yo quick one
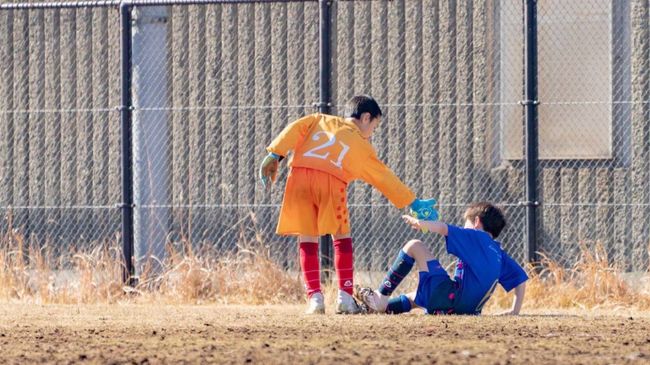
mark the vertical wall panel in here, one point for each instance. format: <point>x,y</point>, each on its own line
<point>479,121</point>
<point>568,213</point>
<point>68,130</point>
<point>279,65</point>
<point>180,117</point>
<point>412,120</point>
<point>263,97</point>
<point>430,97</point>
<point>100,100</point>
<point>21,118</point>
<point>379,90</point>
<point>213,125</point>
<point>6,105</point>
<point>464,111</point>
<point>640,178</point>
<point>196,122</point>
<point>36,132</point>
<point>229,120</point>
<point>53,121</point>
<point>447,133</point>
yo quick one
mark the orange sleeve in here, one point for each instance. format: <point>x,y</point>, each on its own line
<point>377,174</point>
<point>291,134</point>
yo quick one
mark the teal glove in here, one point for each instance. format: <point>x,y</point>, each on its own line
<point>269,169</point>
<point>423,210</point>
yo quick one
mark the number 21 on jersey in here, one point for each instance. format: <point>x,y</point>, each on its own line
<point>322,151</point>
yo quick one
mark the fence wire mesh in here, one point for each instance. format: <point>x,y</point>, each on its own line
<point>593,129</point>
<point>213,84</point>
<point>59,130</point>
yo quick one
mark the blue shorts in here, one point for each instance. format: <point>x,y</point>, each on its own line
<point>436,291</point>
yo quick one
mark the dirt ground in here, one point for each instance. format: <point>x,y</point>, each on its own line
<point>141,334</point>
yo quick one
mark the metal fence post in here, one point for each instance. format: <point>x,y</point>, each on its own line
<point>127,145</point>
<point>530,104</point>
<point>149,90</point>
<point>324,105</point>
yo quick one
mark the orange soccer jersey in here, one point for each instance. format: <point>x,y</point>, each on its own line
<point>314,203</point>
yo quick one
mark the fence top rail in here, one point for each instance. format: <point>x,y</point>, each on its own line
<point>116,3</point>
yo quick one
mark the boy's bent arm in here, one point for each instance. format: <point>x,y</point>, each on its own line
<point>291,134</point>
<point>518,301</point>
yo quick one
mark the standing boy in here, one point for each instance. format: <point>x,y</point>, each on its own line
<point>328,153</point>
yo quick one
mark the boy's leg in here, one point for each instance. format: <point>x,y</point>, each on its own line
<point>414,252</point>
<point>310,267</point>
<point>420,253</point>
<point>344,262</point>
<point>310,263</point>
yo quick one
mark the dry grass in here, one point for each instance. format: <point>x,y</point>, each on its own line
<point>29,273</point>
<point>592,283</point>
<point>35,274</point>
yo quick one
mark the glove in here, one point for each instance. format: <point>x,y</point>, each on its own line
<point>423,209</point>
<point>269,169</point>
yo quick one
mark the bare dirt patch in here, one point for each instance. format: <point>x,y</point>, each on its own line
<point>141,334</point>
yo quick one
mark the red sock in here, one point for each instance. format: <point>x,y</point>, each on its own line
<point>343,262</point>
<point>310,265</point>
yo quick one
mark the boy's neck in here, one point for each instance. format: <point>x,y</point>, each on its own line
<point>352,120</point>
<point>482,230</point>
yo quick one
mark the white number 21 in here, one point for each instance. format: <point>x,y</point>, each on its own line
<point>330,140</point>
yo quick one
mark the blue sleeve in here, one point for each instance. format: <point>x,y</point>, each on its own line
<point>460,241</point>
<point>511,273</point>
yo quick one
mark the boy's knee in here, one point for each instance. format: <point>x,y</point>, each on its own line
<point>412,245</point>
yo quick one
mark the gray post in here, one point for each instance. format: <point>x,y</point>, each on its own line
<point>127,143</point>
<point>531,128</point>
<point>150,133</point>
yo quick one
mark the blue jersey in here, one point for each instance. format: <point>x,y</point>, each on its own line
<point>481,265</point>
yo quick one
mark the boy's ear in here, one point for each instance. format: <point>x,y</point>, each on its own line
<point>365,117</point>
<point>477,223</point>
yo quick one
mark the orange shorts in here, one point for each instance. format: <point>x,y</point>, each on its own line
<point>314,204</point>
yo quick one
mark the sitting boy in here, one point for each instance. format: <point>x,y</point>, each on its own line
<point>481,265</point>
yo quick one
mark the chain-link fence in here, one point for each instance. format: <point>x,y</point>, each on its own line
<point>59,131</point>
<point>214,83</point>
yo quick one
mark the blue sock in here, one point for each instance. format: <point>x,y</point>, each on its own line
<point>396,273</point>
<point>398,305</point>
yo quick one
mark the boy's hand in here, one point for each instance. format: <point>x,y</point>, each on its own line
<point>507,313</point>
<point>423,209</point>
<point>269,169</point>
<point>412,221</point>
<point>426,226</point>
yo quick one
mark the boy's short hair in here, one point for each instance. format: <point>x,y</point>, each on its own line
<point>491,217</point>
<point>360,104</point>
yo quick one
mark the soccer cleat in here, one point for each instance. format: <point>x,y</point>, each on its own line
<point>316,304</point>
<point>372,299</point>
<point>346,304</point>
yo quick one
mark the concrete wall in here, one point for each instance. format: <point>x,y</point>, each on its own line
<point>237,74</point>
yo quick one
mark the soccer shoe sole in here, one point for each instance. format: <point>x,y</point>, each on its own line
<point>315,310</point>
<point>361,296</point>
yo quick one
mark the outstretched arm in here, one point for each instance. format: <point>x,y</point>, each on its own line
<point>431,226</point>
<point>377,174</point>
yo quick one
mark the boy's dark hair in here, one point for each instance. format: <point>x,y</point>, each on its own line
<point>360,104</point>
<point>490,216</point>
